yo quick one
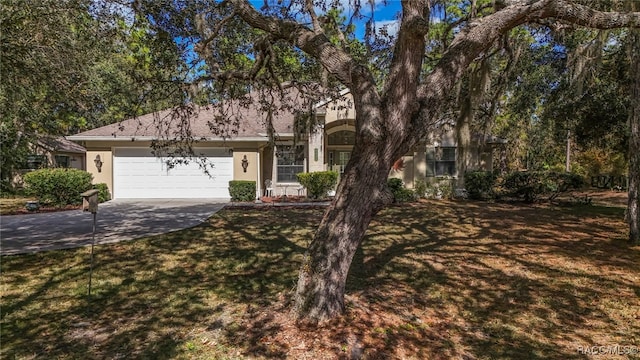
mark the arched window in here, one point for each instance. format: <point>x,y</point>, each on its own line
<point>342,137</point>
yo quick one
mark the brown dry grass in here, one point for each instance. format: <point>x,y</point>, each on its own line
<point>9,206</point>
<point>433,280</point>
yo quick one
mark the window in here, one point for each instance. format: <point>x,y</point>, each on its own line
<point>290,162</point>
<point>62,161</point>
<point>35,162</point>
<point>342,137</point>
<point>441,161</point>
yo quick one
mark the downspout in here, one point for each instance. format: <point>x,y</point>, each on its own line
<point>258,174</point>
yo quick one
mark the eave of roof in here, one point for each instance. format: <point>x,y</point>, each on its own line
<point>152,138</point>
<point>326,101</point>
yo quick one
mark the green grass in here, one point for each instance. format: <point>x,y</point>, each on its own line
<point>11,205</point>
<point>433,280</point>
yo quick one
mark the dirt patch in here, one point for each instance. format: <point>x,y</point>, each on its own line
<point>42,209</point>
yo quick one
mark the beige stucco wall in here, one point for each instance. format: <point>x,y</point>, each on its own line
<point>316,147</point>
<point>76,161</point>
<point>339,109</point>
<point>406,174</point>
<point>252,168</point>
<point>266,163</point>
<point>420,163</point>
<point>106,174</point>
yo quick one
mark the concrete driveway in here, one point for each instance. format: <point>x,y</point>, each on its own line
<point>116,220</point>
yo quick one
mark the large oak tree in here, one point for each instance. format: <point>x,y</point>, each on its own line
<point>399,91</point>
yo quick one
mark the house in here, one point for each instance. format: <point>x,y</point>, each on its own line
<point>50,151</point>
<point>236,142</point>
<point>56,151</point>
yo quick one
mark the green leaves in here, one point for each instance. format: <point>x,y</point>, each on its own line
<point>319,183</point>
<point>242,190</point>
<point>58,187</point>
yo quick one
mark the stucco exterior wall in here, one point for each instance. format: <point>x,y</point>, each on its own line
<point>106,173</point>
<point>251,156</point>
<point>316,150</point>
<point>340,109</point>
<point>420,163</point>
<point>76,161</point>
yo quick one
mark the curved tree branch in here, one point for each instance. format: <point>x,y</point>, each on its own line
<point>316,44</point>
<point>481,33</point>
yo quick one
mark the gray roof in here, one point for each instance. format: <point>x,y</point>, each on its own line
<point>60,144</point>
<point>244,119</point>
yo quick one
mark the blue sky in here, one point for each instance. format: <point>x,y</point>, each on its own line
<point>384,14</point>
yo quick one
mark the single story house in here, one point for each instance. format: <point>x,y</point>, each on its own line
<point>237,144</point>
<point>50,152</point>
<point>57,151</point>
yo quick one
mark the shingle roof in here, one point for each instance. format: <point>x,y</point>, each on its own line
<point>237,119</point>
<point>60,144</point>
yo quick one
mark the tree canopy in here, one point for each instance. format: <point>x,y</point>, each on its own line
<point>70,65</point>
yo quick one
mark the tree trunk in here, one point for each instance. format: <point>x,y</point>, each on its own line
<point>361,194</point>
<point>633,210</point>
<point>463,138</point>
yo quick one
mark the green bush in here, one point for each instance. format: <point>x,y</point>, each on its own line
<point>400,193</point>
<point>57,187</point>
<point>242,190</point>
<point>563,182</point>
<point>444,189</point>
<point>318,183</point>
<point>421,188</point>
<point>531,185</point>
<point>479,184</point>
<point>103,192</point>
<point>524,184</point>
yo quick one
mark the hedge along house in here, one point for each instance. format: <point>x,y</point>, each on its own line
<point>246,140</point>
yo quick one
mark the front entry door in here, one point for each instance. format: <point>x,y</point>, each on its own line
<point>338,160</point>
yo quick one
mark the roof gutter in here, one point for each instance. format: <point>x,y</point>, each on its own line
<point>151,138</point>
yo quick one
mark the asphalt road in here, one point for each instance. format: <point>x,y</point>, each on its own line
<point>116,220</point>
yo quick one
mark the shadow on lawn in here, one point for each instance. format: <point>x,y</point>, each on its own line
<point>437,280</point>
<point>150,296</point>
<point>500,282</point>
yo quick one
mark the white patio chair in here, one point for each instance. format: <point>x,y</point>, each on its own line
<point>268,187</point>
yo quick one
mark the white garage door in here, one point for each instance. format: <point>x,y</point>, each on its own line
<point>137,174</point>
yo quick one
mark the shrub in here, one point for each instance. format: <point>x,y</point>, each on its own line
<point>479,184</point>
<point>444,189</point>
<point>530,185</point>
<point>524,184</point>
<point>400,193</point>
<point>242,190</point>
<point>395,184</point>
<point>420,189</point>
<point>103,192</point>
<point>563,182</point>
<point>57,187</point>
<point>318,183</point>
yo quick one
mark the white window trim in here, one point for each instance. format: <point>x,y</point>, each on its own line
<point>274,171</point>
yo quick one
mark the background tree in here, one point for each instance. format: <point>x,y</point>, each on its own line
<point>70,65</point>
<point>633,210</point>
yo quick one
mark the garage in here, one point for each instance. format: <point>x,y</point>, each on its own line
<point>138,174</point>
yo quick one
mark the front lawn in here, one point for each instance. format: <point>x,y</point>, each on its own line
<point>434,280</point>
<point>13,205</point>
